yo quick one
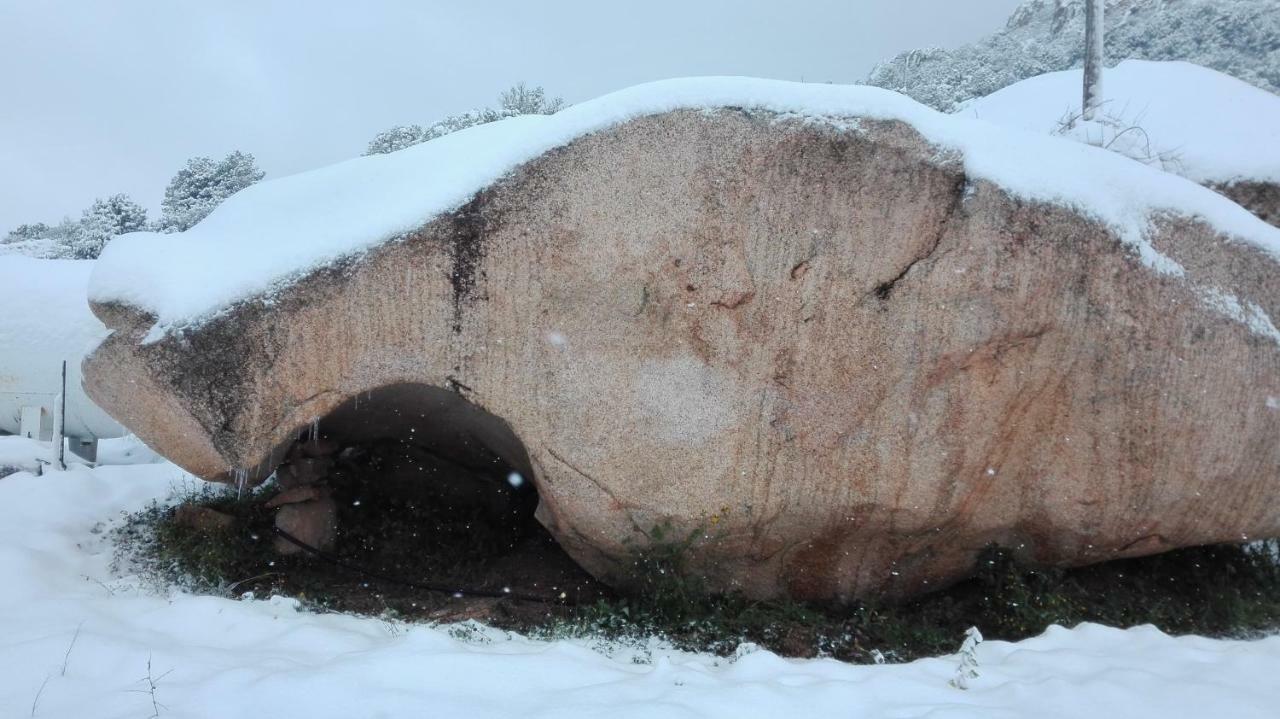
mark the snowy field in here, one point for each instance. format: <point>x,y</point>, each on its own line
<point>1179,117</point>
<point>76,641</point>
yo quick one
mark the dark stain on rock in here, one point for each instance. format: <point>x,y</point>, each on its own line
<point>214,387</point>
<point>469,226</point>
<point>454,385</point>
<point>810,571</point>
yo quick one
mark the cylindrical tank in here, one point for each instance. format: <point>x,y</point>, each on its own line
<point>45,319</point>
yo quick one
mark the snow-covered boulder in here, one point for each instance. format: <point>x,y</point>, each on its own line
<point>837,341</point>
<point>1182,118</point>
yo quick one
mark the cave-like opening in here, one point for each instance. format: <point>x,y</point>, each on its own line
<point>419,483</point>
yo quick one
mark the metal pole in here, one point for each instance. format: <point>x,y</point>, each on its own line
<point>60,428</point>
<point>1093,57</point>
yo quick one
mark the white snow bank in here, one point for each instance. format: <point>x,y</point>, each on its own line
<point>30,455</point>
<point>23,454</point>
<point>269,234</point>
<point>45,319</point>
<point>75,641</point>
<point>1187,119</point>
<point>38,248</point>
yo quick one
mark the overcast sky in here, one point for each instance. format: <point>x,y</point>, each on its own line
<point>113,96</point>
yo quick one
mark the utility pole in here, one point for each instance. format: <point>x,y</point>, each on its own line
<point>1093,56</point>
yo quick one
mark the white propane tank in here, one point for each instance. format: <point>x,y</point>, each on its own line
<point>45,319</point>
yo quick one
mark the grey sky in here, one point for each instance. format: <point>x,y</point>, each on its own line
<point>105,97</point>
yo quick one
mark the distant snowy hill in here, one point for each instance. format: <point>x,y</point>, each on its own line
<point>1183,118</point>
<point>1238,37</point>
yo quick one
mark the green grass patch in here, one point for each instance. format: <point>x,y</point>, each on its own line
<point>1217,591</point>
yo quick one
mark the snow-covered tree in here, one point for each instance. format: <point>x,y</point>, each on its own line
<point>202,185</point>
<point>23,233</point>
<point>32,240</point>
<point>1237,37</point>
<point>396,138</point>
<point>80,239</point>
<point>103,220</point>
<point>522,100</point>
<point>117,214</point>
<point>516,100</point>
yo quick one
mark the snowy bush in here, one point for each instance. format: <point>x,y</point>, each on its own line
<point>202,185</point>
<point>191,195</point>
<point>522,100</point>
<point>1113,130</point>
<point>79,240</point>
<point>32,231</point>
<point>1238,37</point>
<point>967,668</point>
<point>104,219</point>
<point>40,248</point>
<point>31,240</point>
<point>396,138</point>
<point>516,100</point>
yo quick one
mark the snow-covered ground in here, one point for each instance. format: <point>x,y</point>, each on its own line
<point>1180,117</point>
<point>30,455</point>
<point>77,641</point>
<point>23,454</point>
<point>41,249</point>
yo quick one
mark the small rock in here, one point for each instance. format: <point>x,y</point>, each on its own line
<point>202,519</point>
<point>301,472</point>
<point>314,523</point>
<point>798,642</point>
<point>296,495</point>
<point>469,609</point>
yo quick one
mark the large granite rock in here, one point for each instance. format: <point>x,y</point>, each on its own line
<point>838,362</point>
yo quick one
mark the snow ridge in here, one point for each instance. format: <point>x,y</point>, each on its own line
<point>271,234</point>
